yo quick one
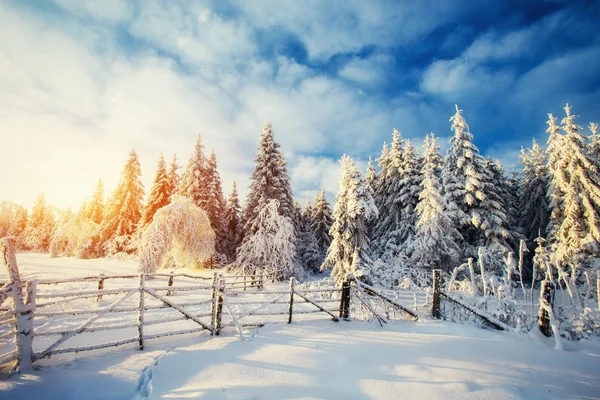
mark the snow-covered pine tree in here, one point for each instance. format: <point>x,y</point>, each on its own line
<point>233,224</point>
<point>594,142</point>
<point>271,249</point>
<point>308,250</point>
<point>96,208</point>
<point>123,211</point>
<point>495,221</point>
<point>385,230</point>
<point>350,250</point>
<point>38,232</point>
<point>577,180</point>
<point>159,193</point>
<point>18,223</point>
<point>174,178</point>
<point>372,175</point>
<point>61,233</point>
<point>269,181</point>
<point>321,223</point>
<point>534,212</point>
<point>435,243</point>
<point>462,176</point>
<point>193,182</point>
<point>556,175</point>
<point>215,204</point>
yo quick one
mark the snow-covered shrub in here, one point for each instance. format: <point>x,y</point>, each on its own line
<point>271,249</point>
<point>181,229</point>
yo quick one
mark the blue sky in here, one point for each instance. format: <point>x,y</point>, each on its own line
<point>82,82</point>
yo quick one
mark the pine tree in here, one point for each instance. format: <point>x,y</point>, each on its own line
<point>594,142</point>
<point>38,232</point>
<point>386,229</point>
<point>372,175</point>
<point>321,223</point>
<point>215,203</point>
<point>18,222</point>
<point>159,195</point>
<point>95,209</point>
<point>233,224</point>
<point>174,178</point>
<point>534,212</point>
<point>495,223</point>
<point>350,251</point>
<point>269,181</point>
<point>307,247</point>
<point>435,243</point>
<point>193,182</point>
<point>576,179</point>
<point>124,210</point>
<point>463,187</point>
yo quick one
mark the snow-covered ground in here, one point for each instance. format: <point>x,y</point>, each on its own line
<point>316,359</point>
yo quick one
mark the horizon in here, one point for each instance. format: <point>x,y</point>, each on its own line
<point>82,83</point>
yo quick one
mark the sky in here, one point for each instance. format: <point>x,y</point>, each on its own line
<point>84,82</point>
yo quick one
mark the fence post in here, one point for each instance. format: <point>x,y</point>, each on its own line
<point>261,281</point>
<point>213,305</point>
<point>547,296</point>
<point>598,289</point>
<point>219,308</point>
<point>170,284</point>
<point>435,304</point>
<point>244,283</point>
<point>345,300</point>
<point>100,286</point>
<point>141,314</point>
<point>291,309</point>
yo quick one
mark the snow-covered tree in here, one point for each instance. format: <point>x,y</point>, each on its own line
<point>95,209</point>
<point>269,181</point>
<point>215,203</point>
<point>193,182</point>
<point>594,142</point>
<point>575,181</point>
<point>233,224</point>
<point>18,223</point>
<point>434,245</point>
<point>372,175</point>
<point>271,249</point>
<point>173,175</point>
<point>38,233</point>
<point>306,244</point>
<point>60,236</point>
<point>350,250</point>
<point>159,193</point>
<point>534,212</point>
<point>463,187</point>
<point>179,232</point>
<point>494,222</point>
<point>385,232</point>
<point>124,210</point>
<point>321,223</point>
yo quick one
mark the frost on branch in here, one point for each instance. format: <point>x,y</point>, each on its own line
<point>271,249</point>
<point>181,229</point>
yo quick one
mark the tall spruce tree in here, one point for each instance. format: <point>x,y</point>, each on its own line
<point>495,221</point>
<point>534,212</point>
<point>173,175</point>
<point>193,182</point>
<point>307,247</point>
<point>576,180</point>
<point>124,210</point>
<point>435,243</point>
<point>40,225</point>
<point>269,181</point>
<point>321,223</point>
<point>233,224</point>
<point>463,186</point>
<point>159,193</point>
<point>372,175</point>
<point>215,202</point>
<point>95,209</point>
<point>350,250</point>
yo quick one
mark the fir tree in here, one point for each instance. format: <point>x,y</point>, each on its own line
<point>18,222</point>
<point>435,243</point>
<point>174,178</point>
<point>38,232</point>
<point>159,195</point>
<point>534,212</point>
<point>594,142</point>
<point>575,178</point>
<point>95,209</point>
<point>269,181</point>
<point>321,223</point>
<point>124,210</point>
<point>215,203</point>
<point>233,224</point>
<point>350,251</point>
<point>307,247</point>
<point>372,175</point>
<point>193,182</point>
<point>463,187</point>
<point>494,225</point>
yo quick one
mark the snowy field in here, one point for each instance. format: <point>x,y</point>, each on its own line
<point>316,359</point>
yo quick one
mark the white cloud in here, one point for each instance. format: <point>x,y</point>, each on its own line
<point>109,10</point>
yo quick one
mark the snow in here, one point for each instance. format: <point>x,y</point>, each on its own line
<point>311,359</point>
